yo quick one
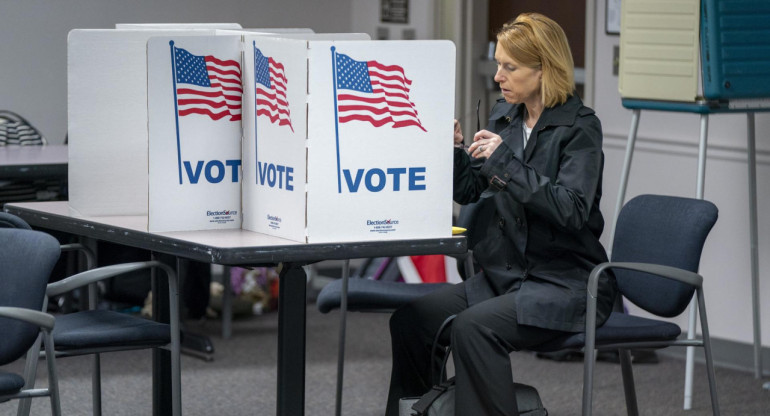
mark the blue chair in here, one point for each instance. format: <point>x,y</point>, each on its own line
<point>11,221</point>
<point>378,293</point>
<point>371,293</point>
<point>26,261</point>
<point>655,256</point>
<point>366,294</point>
<point>96,331</point>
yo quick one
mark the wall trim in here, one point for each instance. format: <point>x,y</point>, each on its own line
<point>680,147</point>
<point>728,354</point>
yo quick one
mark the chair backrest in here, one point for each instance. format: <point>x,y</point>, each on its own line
<point>26,260</point>
<point>14,129</point>
<point>11,221</point>
<point>663,230</point>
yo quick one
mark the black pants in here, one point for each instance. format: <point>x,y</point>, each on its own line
<point>196,289</point>
<point>482,338</point>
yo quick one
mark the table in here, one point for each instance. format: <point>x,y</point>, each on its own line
<point>33,161</point>
<point>704,109</point>
<point>234,248</point>
<point>30,173</point>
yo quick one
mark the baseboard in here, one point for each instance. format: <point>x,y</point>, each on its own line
<point>727,354</point>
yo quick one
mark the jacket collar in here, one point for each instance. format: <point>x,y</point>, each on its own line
<point>561,115</point>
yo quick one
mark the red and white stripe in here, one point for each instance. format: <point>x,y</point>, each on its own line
<point>387,103</point>
<point>222,99</point>
<point>272,102</point>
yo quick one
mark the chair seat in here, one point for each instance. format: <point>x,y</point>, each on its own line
<point>10,383</point>
<point>620,327</point>
<point>102,329</point>
<point>372,295</point>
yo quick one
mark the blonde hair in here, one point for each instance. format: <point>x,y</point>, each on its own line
<point>538,42</point>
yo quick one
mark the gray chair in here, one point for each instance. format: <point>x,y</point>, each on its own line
<point>655,256</point>
<point>26,261</point>
<point>96,331</point>
<point>368,293</point>
<point>376,292</point>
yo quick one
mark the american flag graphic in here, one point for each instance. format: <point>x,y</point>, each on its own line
<point>208,86</point>
<point>372,92</point>
<point>271,84</point>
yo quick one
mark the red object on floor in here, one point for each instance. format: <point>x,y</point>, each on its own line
<point>431,268</point>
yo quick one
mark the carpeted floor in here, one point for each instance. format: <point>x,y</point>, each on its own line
<point>241,379</point>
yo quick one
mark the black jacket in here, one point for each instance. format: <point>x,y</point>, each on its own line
<point>539,214</point>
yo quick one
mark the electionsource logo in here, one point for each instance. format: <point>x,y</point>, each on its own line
<point>382,222</point>
<point>382,226</point>
<point>225,212</point>
<point>274,221</point>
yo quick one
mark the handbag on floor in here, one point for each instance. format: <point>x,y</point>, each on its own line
<point>440,400</point>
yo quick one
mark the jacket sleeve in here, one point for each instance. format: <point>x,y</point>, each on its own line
<point>566,198</point>
<point>468,181</point>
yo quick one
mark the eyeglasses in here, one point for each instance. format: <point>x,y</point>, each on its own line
<point>478,124</point>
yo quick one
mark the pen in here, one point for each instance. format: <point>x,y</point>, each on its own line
<point>478,119</point>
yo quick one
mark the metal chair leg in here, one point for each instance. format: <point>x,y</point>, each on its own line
<point>707,351</point>
<point>589,358</point>
<point>341,347</point>
<point>96,385</point>
<point>628,381</point>
<point>53,378</point>
<point>30,373</point>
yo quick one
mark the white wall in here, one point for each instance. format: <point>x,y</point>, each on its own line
<point>665,162</point>
<point>33,50</point>
<point>366,19</point>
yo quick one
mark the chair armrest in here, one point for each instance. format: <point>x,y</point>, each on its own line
<point>91,276</point>
<point>38,318</point>
<point>674,273</point>
<point>669,272</point>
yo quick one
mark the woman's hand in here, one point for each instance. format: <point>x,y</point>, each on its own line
<point>484,143</point>
<point>458,135</point>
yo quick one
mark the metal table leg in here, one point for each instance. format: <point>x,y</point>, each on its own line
<point>292,291</point>
<point>753,236</point>
<point>693,321</point>
<point>635,115</point>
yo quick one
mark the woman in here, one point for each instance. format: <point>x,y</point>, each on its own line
<point>537,172</point>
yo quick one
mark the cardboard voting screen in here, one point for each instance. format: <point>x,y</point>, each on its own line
<point>194,92</point>
<point>275,132</point>
<point>143,26</point>
<point>380,128</point>
<point>355,142</point>
<point>274,136</point>
<point>107,119</point>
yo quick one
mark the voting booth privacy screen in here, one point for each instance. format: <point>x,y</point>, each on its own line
<point>357,148</point>
<point>690,50</point>
<point>309,137</point>
<point>194,113</point>
<point>107,118</point>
